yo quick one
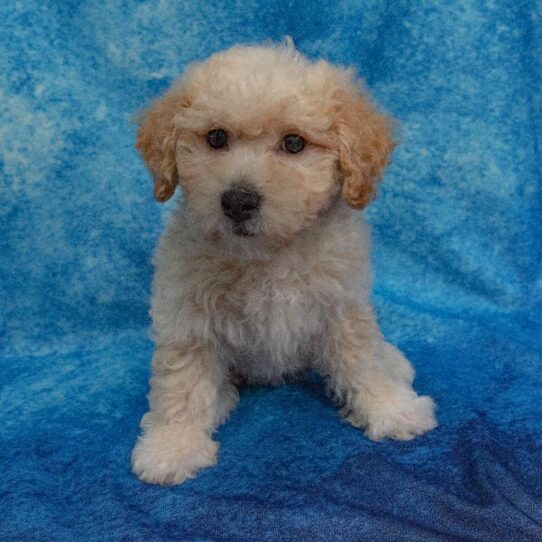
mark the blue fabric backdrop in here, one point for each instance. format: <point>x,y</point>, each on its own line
<point>458,251</point>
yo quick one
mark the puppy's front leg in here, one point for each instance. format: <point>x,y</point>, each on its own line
<point>189,397</point>
<point>373,379</point>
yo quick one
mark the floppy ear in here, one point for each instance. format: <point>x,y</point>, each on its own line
<point>365,145</point>
<point>156,141</point>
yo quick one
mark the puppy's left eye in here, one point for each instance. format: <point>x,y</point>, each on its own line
<point>293,143</point>
<point>217,139</point>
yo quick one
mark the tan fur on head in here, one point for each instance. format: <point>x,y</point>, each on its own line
<point>157,139</point>
<point>365,144</point>
<point>362,137</point>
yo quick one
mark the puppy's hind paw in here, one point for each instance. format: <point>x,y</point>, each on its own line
<point>401,417</point>
<point>170,454</point>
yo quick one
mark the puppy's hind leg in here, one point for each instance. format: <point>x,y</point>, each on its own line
<point>373,379</point>
<point>189,398</point>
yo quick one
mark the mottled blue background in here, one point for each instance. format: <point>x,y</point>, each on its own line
<point>458,251</point>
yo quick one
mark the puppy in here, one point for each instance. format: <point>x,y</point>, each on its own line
<point>263,270</point>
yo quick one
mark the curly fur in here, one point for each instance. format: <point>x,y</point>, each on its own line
<point>292,295</point>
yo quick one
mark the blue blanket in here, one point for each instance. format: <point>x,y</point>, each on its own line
<point>457,255</point>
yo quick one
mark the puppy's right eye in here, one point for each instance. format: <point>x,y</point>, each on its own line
<point>217,139</point>
<point>293,143</point>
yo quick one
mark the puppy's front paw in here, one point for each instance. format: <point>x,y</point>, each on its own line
<point>401,416</point>
<point>170,454</point>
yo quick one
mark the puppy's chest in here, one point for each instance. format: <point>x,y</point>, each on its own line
<point>261,308</point>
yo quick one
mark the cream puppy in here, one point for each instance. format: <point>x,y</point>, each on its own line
<point>263,270</point>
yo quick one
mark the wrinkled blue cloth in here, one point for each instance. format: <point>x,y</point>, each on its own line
<point>458,286</point>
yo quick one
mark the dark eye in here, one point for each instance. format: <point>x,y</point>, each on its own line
<point>293,143</point>
<point>217,139</point>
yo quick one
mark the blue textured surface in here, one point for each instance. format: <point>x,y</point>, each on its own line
<point>458,252</point>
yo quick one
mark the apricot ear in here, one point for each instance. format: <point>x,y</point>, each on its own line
<point>156,141</point>
<point>365,145</point>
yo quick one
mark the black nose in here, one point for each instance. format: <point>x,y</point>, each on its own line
<point>240,202</point>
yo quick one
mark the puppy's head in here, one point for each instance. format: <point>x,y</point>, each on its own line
<point>263,142</point>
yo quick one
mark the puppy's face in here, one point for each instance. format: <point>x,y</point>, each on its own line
<point>263,143</point>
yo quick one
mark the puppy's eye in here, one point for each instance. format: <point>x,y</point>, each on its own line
<point>217,139</point>
<point>293,143</point>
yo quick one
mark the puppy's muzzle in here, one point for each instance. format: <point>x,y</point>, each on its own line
<point>240,203</point>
